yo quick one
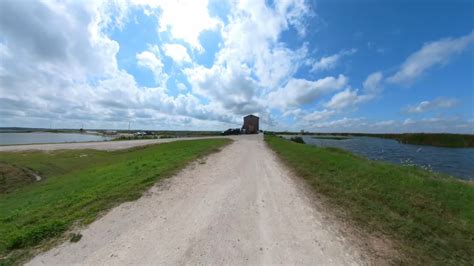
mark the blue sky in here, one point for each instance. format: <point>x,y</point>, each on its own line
<point>346,66</point>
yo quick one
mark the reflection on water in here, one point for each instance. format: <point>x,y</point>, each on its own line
<point>46,137</point>
<point>458,162</point>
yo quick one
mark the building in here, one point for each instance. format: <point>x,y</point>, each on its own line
<point>250,124</point>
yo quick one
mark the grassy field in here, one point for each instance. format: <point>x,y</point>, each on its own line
<point>429,217</point>
<point>76,186</point>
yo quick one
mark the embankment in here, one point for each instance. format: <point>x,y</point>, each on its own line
<point>429,217</point>
<point>77,186</point>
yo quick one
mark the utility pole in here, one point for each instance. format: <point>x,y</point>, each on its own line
<point>128,126</point>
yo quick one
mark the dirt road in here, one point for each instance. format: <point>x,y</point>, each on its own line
<point>239,206</point>
<point>96,145</point>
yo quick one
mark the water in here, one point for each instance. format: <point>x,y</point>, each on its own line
<point>46,137</point>
<point>458,162</point>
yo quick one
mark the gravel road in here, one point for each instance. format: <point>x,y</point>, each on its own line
<point>238,206</point>
<point>96,145</point>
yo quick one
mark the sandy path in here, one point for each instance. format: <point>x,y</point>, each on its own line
<point>96,145</point>
<point>239,207</point>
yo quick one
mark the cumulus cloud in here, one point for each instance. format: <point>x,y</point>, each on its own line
<point>151,61</point>
<point>364,125</point>
<point>437,103</point>
<point>318,116</point>
<point>231,87</point>
<point>252,61</point>
<point>177,52</point>
<point>330,62</point>
<point>65,45</point>
<point>252,34</point>
<point>430,55</point>
<point>347,98</point>
<point>184,20</point>
<point>52,60</point>
<point>301,91</point>
<point>58,64</point>
<point>59,67</point>
<point>373,83</point>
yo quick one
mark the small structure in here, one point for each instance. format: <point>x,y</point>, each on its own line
<point>250,124</point>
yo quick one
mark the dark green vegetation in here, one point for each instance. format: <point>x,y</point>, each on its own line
<point>297,139</point>
<point>440,140</point>
<point>332,137</point>
<point>429,217</point>
<point>76,186</point>
<point>431,139</point>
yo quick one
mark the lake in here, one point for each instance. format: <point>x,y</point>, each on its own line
<point>47,137</point>
<point>458,162</point>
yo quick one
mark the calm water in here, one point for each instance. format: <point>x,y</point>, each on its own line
<point>45,137</point>
<point>458,162</point>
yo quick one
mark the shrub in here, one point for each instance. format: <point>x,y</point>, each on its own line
<point>297,140</point>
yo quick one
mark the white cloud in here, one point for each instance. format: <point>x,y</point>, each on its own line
<point>430,55</point>
<point>341,124</point>
<point>57,63</point>
<point>177,52</point>
<point>231,87</point>
<point>346,98</point>
<point>252,37</point>
<point>181,87</point>
<point>385,123</point>
<point>330,62</point>
<point>150,60</point>
<point>363,125</point>
<point>68,45</point>
<point>184,19</point>
<point>437,103</point>
<point>69,73</point>
<point>318,116</point>
<point>301,91</point>
<point>252,61</point>
<point>372,84</point>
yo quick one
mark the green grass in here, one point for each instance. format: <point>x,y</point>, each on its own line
<point>77,186</point>
<point>429,217</point>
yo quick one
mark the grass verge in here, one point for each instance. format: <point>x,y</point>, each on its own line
<point>429,217</point>
<point>77,185</point>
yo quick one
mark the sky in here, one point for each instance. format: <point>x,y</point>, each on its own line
<point>323,66</point>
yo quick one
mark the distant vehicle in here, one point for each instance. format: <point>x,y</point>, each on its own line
<point>231,131</point>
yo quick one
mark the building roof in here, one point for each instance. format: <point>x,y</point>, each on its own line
<point>250,116</point>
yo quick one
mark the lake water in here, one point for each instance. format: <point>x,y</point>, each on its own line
<point>46,137</point>
<point>458,162</point>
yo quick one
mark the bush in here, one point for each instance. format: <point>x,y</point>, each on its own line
<point>297,140</point>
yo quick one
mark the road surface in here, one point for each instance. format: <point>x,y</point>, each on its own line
<point>237,206</point>
<point>96,145</point>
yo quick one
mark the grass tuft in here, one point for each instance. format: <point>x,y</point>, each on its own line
<point>75,237</point>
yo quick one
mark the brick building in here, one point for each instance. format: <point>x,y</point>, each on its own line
<point>250,124</point>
